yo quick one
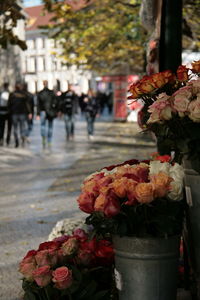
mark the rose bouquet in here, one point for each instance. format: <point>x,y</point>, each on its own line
<point>69,267</point>
<point>172,110</point>
<point>135,199</point>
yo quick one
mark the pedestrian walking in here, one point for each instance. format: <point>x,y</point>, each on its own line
<point>19,107</point>
<point>29,120</point>
<point>5,118</point>
<point>47,109</point>
<point>92,109</point>
<point>68,106</point>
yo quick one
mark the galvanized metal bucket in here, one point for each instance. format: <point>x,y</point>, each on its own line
<point>146,268</point>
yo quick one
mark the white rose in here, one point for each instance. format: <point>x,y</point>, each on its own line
<point>156,167</point>
<point>176,192</point>
<point>177,173</point>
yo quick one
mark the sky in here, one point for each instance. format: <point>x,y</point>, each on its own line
<point>31,2</point>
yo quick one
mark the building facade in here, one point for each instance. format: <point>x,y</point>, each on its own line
<point>41,59</point>
<point>11,58</point>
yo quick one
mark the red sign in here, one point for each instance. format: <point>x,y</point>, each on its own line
<point>120,98</point>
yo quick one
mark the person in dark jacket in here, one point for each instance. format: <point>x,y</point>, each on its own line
<point>31,103</point>
<point>91,110</point>
<point>19,107</point>
<point>68,106</point>
<point>4,115</point>
<point>47,108</point>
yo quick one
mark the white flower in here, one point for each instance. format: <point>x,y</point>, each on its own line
<point>156,167</point>
<point>177,173</point>
<point>176,192</point>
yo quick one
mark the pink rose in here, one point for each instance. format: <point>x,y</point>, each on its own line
<point>27,270</point>
<point>112,205</point>
<point>70,246</point>
<point>42,276</point>
<point>80,234</point>
<point>194,109</point>
<point>62,277</point>
<point>181,104</point>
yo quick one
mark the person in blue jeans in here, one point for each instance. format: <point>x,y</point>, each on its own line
<point>47,108</point>
<point>91,111</point>
<point>19,108</point>
<point>68,106</point>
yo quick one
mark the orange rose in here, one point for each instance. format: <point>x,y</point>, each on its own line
<point>169,76</point>
<point>161,183</point>
<point>91,187</point>
<point>196,66</point>
<point>158,79</point>
<point>182,73</point>
<point>144,192</point>
<point>86,202</point>
<point>146,86</point>
<point>99,202</point>
<point>119,187</point>
<point>134,90</point>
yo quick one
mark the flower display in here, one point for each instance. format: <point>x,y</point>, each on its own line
<point>171,111</point>
<point>69,267</point>
<point>135,198</point>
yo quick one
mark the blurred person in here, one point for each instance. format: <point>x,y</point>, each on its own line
<point>68,106</point>
<point>81,102</point>
<point>47,109</point>
<point>31,102</point>
<point>102,100</point>
<point>5,118</point>
<point>110,102</point>
<point>92,109</point>
<point>19,107</point>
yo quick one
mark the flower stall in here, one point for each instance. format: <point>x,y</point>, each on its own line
<point>171,111</point>
<point>141,205</point>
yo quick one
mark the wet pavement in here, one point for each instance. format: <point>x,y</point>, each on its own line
<point>39,187</point>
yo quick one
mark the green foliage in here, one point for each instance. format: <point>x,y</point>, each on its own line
<point>10,13</point>
<point>191,28</point>
<point>160,218</point>
<point>103,35</point>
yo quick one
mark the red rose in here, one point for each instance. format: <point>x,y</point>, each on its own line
<point>89,245</point>
<point>48,245</point>
<point>30,254</point>
<point>163,158</point>
<point>84,257</point>
<point>61,239</point>
<point>42,276</point>
<point>182,73</point>
<point>62,277</point>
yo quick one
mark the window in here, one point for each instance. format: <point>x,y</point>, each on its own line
<point>31,64</point>
<point>40,63</point>
<point>31,44</point>
<point>40,43</point>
